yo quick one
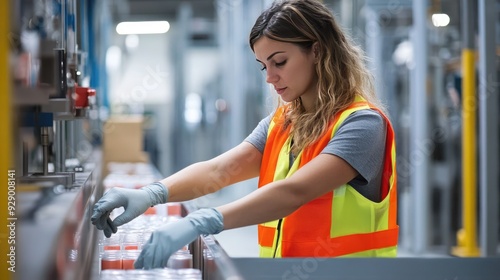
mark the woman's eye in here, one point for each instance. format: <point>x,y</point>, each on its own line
<point>281,63</point>
<point>278,64</point>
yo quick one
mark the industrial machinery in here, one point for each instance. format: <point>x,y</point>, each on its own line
<point>58,170</point>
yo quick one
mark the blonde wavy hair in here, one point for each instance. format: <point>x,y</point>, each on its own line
<point>340,69</point>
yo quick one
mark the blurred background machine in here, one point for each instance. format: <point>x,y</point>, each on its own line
<point>84,87</point>
<point>56,165</point>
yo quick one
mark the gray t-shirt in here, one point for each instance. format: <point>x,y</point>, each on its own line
<point>360,140</point>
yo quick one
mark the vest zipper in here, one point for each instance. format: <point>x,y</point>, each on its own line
<point>278,229</point>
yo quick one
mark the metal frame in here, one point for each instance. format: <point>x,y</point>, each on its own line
<point>488,129</point>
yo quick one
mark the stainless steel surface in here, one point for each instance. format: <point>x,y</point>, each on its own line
<point>61,79</point>
<point>45,147</point>
<point>58,178</point>
<point>56,105</point>
<point>217,265</point>
<point>488,130</point>
<point>369,269</point>
<point>31,96</point>
<point>57,242</point>
<point>60,146</point>
<point>70,153</point>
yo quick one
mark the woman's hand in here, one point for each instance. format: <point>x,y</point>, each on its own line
<point>173,236</point>
<point>134,201</point>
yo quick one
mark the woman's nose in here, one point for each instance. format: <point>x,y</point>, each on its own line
<point>271,77</point>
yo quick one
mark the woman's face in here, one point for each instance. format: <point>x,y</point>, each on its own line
<point>290,69</point>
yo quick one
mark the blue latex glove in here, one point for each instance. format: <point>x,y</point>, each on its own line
<point>135,202</point>
<point>171,237</point>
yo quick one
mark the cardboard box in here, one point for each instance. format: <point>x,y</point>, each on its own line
<point>123,139</point>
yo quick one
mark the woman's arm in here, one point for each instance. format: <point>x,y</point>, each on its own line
<point>279,199</point>
<point>238,164</point>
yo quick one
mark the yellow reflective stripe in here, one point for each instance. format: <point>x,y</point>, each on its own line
<point>268,252</point>
<point>359,98</point>
<point>265,252</point>
<point>272,224</point>
<point>283,164</point>
<point>283,169</point>
<point>295,165</point>
<point>281,172</point>
<point>271,126</point>
<point>356,213</point>
<point>344,116</point>
<point>278,250</point>
<point>393,163</point>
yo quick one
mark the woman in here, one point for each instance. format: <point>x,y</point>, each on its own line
<point>325,158</point>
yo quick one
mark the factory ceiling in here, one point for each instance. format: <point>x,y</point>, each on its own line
<point>131,10</point>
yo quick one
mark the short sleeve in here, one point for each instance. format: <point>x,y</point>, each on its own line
<point>258,136</point>
<point>360,141</point>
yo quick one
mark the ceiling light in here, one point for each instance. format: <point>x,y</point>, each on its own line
<point>131,42</point>
<point>439,20</point>
<point>142,27</point>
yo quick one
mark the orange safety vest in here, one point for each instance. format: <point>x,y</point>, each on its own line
<point>339,223</point>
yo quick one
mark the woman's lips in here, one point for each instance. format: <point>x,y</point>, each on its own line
<point>280,90</point>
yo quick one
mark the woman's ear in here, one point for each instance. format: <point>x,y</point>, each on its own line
<point>315,49</point>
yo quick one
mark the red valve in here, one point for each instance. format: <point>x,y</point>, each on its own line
<point>82,96</point>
